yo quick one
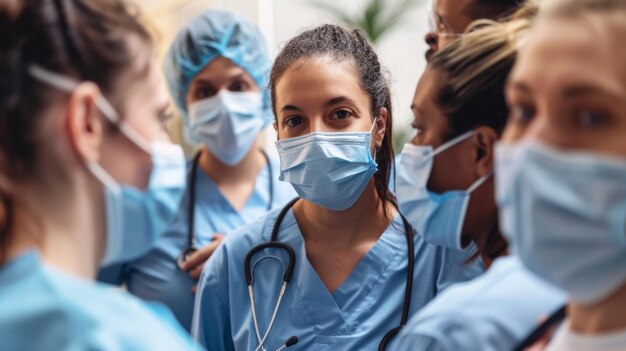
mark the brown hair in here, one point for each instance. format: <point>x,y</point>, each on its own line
<point>475,69</point>
<point>341,44</point>
<point>84,39</point>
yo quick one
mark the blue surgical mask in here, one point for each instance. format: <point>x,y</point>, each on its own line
<point>328,169</point>
<point>438,218</point>
<point>227,124</point>
<point>147,213</point>
<point>565,215</point>
<point>123,204</point>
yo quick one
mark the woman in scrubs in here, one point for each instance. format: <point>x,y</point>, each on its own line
<point>463,89</point>
<point>350,281</point>
<point>217,70</point>
<point>81,103</point>
<point>561,168</point>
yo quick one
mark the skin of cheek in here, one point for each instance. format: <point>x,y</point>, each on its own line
<point>127,162</point>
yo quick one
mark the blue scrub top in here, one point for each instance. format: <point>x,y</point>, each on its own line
<point>494,312</point>
<point>156,276</point>
<point>45,309</point>
<point>354,317</point>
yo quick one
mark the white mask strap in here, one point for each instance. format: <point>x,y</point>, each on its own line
<point>104,177</point>
<point>68,84</point>
<point>451,143</point>
<point>373,124</point>
<point>479,182</point>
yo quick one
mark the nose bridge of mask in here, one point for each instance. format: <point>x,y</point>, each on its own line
<point>241,101</point>
<point>68,84</point>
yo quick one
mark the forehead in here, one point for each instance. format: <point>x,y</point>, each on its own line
<point>558,50</point>
<point>220,67</point>
<point>451,6</point>
<point>317,77</point>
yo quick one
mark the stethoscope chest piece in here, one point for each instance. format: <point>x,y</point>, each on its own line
<point>185,255</point>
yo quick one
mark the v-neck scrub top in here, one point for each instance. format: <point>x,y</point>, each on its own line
<point>156,276</point>
<point>354,317</point>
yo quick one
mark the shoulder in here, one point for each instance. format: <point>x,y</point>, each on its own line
<point>490,312</point>
<point>108,318</point>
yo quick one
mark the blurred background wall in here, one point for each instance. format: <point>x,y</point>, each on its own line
<point>401,49</point>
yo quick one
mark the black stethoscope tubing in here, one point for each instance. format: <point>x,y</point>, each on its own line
<point>274,243</point>
<point>191,215</point>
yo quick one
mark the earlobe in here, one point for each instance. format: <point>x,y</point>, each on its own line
<point>83,123</point>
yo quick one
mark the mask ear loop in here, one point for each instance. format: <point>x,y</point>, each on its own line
<point>371,130</point>
<point>68,84</point>
<point>451,143</point>
<point>479,182</point>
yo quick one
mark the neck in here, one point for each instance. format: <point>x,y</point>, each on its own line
<point>364,221</point>
<point>603,317</point>
<point>60,224</point>
<point>481,224</point>
<point>248,168</point>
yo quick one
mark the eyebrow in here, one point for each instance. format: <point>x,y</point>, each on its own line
<point>292,108</point>
<point>583,89</point>
<point>338,100</point>
<point>519,86</point>
<point>204,81</point>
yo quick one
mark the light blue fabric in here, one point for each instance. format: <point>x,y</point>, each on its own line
<point>564,213</point>
<point>156,276</point>
<point>228,124</point>
<point>217,33</point>
<point>329,169</point>
<point>491,313</point>
<point>354,317</point>
<point>44,309</point>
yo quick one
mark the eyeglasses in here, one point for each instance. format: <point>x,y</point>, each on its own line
<point>438,25</point>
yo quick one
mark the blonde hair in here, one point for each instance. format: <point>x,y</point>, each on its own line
<point>569,8</point>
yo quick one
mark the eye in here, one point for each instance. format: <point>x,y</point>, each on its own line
<point>293,121</point>
<point>204,92</point>
<point>521,113</point>
<point>342,114</point>
<point>239,86</point>
<point>165,116</point>
<point>591,119</point>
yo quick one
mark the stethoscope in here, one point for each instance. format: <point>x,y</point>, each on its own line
<point>288,271</point>
<point>191,235</point>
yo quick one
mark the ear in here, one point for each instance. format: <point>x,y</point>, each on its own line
<point>84,123</point>
<point>381,127</point>
<point>484,140</point>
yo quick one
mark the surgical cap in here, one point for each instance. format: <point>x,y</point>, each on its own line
<point>217,33</point>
